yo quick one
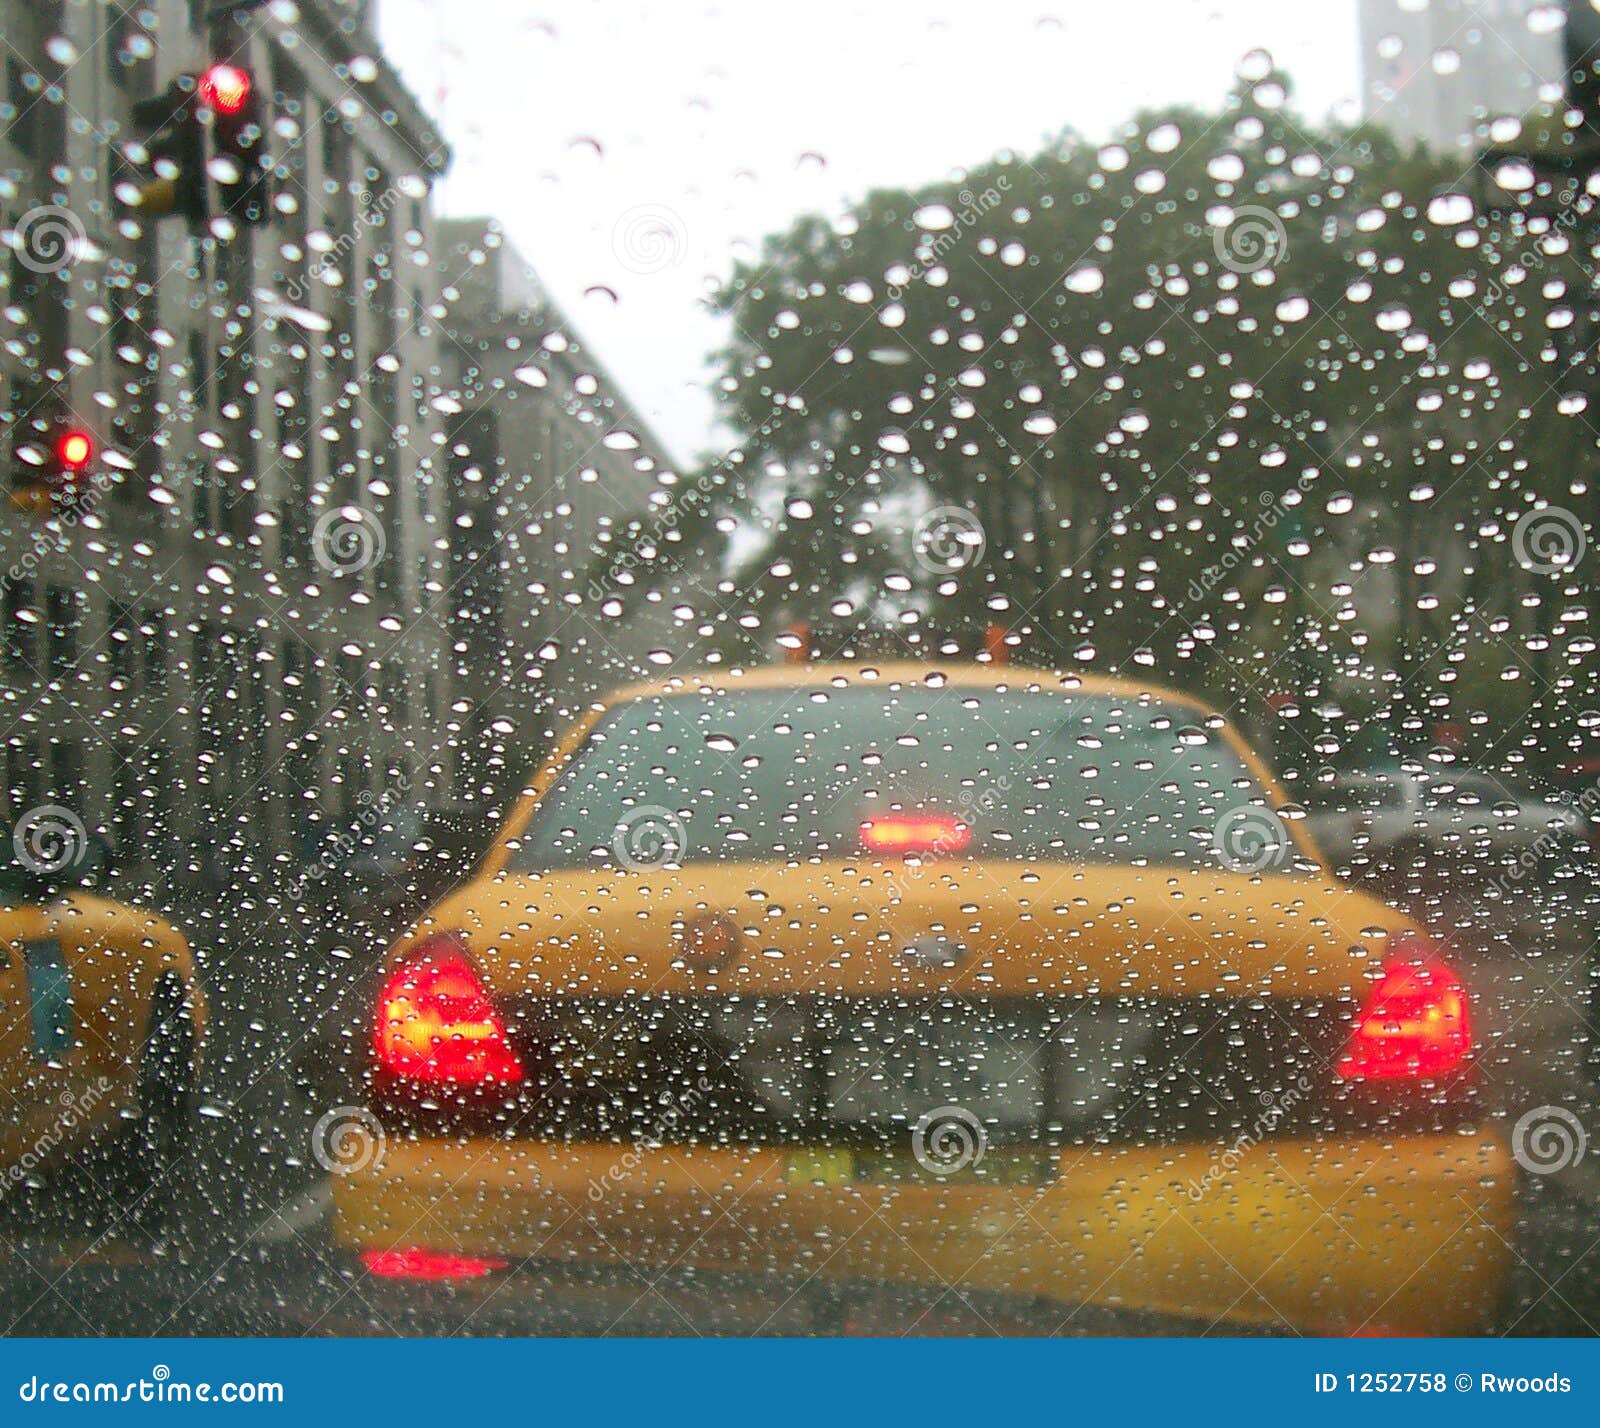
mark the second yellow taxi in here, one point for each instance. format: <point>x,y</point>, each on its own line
<point>101,1020</point>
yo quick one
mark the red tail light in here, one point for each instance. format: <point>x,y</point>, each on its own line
<point>915,833</point>
<point>436,1022</point>
<point>1414,1024</point>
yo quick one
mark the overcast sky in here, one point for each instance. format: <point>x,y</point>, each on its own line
<point>639,148</point>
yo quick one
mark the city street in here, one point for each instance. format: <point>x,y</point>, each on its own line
<point>876,672</point>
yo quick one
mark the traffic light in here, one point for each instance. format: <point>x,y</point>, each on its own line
<point>228,93</point>
<point>176,146</point>
<point>50,474</point>
<point>224,89</point>
<point>204,128</point>
<point>74,451</point>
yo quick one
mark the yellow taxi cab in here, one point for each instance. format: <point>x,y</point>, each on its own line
<point>101,1018</point>
<point>983,979</point>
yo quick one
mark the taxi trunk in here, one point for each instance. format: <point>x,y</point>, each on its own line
<point>1130,1087</point>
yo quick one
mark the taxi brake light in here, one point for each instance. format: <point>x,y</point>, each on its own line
<point>915,833</point>
<point>1414,1024</point>
<point>436,1022</point>
<point>427,1264</point>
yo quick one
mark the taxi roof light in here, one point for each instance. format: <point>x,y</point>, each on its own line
<point>1414,1025</point>
<point>915,833</point>
<point>436,1022</point>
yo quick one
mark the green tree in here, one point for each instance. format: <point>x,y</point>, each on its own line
<point>1243,402</point>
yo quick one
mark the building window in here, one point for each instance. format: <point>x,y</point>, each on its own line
<point>125,821</point>
<point>120,636</point>
<point>154,631</point>
<point>19,633</point>
<point>120,61</point>
<point>66,772</point>
<point>204,667</point>
<point>156,793</point>
<point>62,615</point>
<point>200,384</point>
<point>22,109</point>
<point>22,775</point>
<point>333,136</point>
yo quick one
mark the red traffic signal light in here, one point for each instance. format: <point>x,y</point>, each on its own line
<point>51,474</point>
<point>74,449</point>
<point>244,189</point>
<point>225,89</point>
<point>215,114</point>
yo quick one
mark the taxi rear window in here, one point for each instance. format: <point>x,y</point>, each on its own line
<point>793,773</point>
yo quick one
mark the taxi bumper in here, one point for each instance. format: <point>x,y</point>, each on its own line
<point>1407,1235</point>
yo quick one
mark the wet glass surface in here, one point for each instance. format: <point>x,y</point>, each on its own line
<point>799,671</point>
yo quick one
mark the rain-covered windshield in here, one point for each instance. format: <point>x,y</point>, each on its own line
<point>721,669</point>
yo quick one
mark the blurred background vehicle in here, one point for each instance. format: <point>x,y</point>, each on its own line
<point>1392,817</point>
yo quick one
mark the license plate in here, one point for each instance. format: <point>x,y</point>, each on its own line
<point>1011,1069</point>
<point>890,1065</point>
<point>1005,1067</point>
<point>1101,1048</point>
